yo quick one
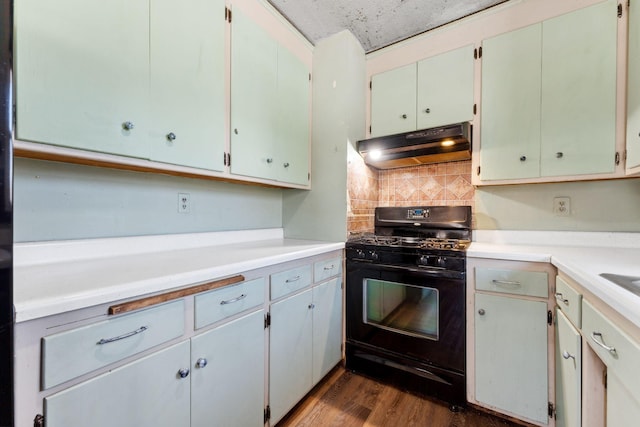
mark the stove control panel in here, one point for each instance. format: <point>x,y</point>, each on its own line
<point>417,213</point>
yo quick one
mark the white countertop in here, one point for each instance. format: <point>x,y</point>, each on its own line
<point>581,256</point>
<point>55,277</point>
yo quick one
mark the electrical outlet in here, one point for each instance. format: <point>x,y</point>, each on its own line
<point>562,206</point>
<point>184,203</point>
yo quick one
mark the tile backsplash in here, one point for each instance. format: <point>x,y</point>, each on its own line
<point>435,185</point>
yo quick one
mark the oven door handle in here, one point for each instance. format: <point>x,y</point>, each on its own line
<point>435,271</point>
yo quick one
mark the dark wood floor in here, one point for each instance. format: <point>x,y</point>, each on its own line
<point>347,399</point>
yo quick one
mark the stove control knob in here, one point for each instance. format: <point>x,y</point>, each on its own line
<point>360,254</point>
<point>373,256</point>
<point>423,260</point>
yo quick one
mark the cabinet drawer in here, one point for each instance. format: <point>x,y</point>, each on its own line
<point>327,268</point>
<point>288,281</point>
<point>623,354</point>
<point>216,305</point>
<point>73,353</point>
<point>569,301</point>
<point>532,283</point>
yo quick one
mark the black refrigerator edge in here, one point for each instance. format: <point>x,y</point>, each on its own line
<point>6,216</point>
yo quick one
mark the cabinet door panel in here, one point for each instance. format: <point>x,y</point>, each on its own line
<point>511,355</point>
<point>510,122</point>
<point>393,101</point>
<point>187,82</point>
<point>633,88</point>
<point>146,393</point>
<point>253,98</point>
<point>229,390</point>
<point>445,88</point>
<point>81,72</point>
<point>623,408</point>
<point>568,373</point>
<point>327,327</point>
<point>292,137</point>
<point>290,353</point>
<point>578,107</point>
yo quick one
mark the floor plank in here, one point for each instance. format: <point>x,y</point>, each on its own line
<point>348,399</point>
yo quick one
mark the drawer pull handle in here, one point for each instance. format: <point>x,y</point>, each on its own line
<point>293,279</point>
<point>505,283</point>
<point>121,337</point>
<point>567,355</point>
<point>600,343</point>
<point>560,298</point>
<point>231,301</point>
<point>330,268</point>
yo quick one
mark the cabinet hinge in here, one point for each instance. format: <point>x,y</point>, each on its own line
<point>478,171</point>
<point>477,53</point>
<point>369,129</point>
<point>549,317</point>
<point>14,113</point>
<point>551,410</point>
<point>617,158</point>
<point>267,414</point>
<point>227,14</point>
<point>267,320</point>
<point>38,421</point>
<point>309,76</point>
<point>475,109</point>
<point>604,378</point>
<point>309,176</point>
<point>619,10</point>
<point>229,159</point>
<point>370,84</point>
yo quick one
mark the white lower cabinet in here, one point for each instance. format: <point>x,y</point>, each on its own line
<point>227,384</point>
<point>150,392</point>
<point>568,373</point>
<point>327,328</point>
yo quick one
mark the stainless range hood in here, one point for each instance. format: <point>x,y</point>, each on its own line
<point>443,144</point>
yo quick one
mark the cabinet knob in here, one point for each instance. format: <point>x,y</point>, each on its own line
<point>481,312</point>
<point>269,160</point>
<point>428,110</point>
<point>171,136</point>
<point>235,131</point>
<point>183,373</point>
<point>312,306</point>
<point>127,126</point>
<point>559,155</point>
<point>201,362</point>
<point>286,165</point>
<point>404,116</point>
<point>566,355</point>
<point>523,158</point>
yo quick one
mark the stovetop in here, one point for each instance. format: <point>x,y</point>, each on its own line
<point>409,242</point>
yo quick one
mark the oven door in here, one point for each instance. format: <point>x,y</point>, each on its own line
<point>407,311</point>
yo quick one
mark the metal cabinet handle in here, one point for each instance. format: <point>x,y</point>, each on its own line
<point>201,362</point>
<point>404,116</point>
<point>428,110</point>
<point>481,312</point>
<point>600,343</point>
<point>523,158</point>
<point>171,136</point>
<point>121,337</point>
<point>127,125</point>
<point>559,154</point>
<point>293,279</point>
<point>505,283</point>
<point>560,298</point>
<point>236,299</point>
<point>183,373</point>
<point>286,165</point>
<point>312,306</point>
<point>566,355</point>
<point>329,268</point>
<point>269,160</point>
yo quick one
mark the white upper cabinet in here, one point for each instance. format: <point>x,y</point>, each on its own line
<point>187,83</point>
<point>445,88</point>
<point>633,88</point>
<point>82,71</point>
<point>433,92</point>
<point>549,98</point>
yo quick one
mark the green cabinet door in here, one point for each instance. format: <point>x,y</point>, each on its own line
<point>290,352</point>
<point>149,392</point>
<point>568,373</point>
<point>633,87</point>
<point>227,385</point>
<point>82,74</point>
<point>393,101</point>
<point>579,91</point>
<point>445,88</point>
<point>253,99</point>
<point>511,355</point>
<point>327,327</point>
<point>187,83</point>
<point>292,137</point>
<point>510,111</point>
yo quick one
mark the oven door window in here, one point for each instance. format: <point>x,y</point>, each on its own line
<point>406,309</point>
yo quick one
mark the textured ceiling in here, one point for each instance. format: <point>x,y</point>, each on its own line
<point>375,23</point>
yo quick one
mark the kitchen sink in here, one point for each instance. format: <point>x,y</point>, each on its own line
<point>630,283</point>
